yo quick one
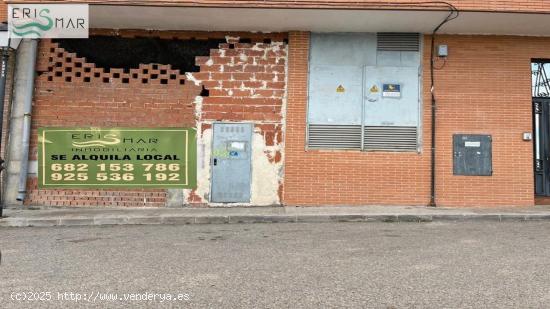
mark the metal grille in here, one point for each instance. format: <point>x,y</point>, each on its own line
<point>334,136</point>
<point>541,81</point>
<point>398,41</point>
<point>391,138</point>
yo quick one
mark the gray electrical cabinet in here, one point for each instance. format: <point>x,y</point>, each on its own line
<point>231,162</point>
<point>472,155</point>
<point>364,91</point>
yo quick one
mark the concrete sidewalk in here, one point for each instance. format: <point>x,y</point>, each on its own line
<point>119,216</point>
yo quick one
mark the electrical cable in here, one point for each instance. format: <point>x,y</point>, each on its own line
<point>453,14</point>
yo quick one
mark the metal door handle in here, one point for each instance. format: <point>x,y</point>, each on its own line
<point>215,161</point>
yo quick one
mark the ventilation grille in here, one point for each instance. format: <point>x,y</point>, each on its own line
<point>334,136</point>
<point>398,41</point>
<point>391,138</point>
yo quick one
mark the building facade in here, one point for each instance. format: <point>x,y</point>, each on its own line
<point>304,103</point>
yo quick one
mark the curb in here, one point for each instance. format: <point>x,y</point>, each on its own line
<point>247,219</point>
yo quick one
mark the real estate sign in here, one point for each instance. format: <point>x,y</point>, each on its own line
<point>117,158</point>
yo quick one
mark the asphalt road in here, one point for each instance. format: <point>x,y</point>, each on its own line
<point>374,265</point>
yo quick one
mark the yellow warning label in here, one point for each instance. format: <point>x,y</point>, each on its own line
<point>374,89</point>
<point>340,89</point>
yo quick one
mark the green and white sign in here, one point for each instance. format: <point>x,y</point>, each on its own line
<point>117,158</point>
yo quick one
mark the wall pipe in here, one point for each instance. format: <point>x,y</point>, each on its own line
<point>27,109</point>
<point>3,77</point>
<point>453,14</point>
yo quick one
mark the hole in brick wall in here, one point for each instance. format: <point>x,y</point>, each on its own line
<point>50,59</point>
<point>125,80</point>
<point>144,81</point>
<point>52,50</point>
<point>68,60</point>
<point>182,81</point>
<point>58,64</point>
<point>145,71</point>
<point>68,69</point>
<point>128,53</point>
<point>105,79</point>
<point>58,73</point>
<point>68,79</point>
<point>267,41</point>
<point>50,69</point>
<point>86,79</point>
<point>205,92</point>
<point>97,74</point>
<point>78,64</point>
<point>116,75</point>
<point>173,76</point>
<point>164,81</point>
<point>107,70</point>
<point>163,72</point>
<point>154,76</point>
<point>60,55</point>
<point>87,70</point>
<point>231,46</point>
<point>77,74</point>
<point>249,41</point>
<point>50,78</point>
<point>135,75</point>
<point>155,67</point>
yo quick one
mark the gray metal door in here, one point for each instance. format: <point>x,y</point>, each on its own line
<point>231,162</point>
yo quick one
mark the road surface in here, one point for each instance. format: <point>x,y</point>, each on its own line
<point>355,265</point>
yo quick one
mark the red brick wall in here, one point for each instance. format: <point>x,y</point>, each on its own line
<point>485,88</point>
<point>317,177</point>
<point>246,82</point>
<point>74,93</point>
<point>3,11</point>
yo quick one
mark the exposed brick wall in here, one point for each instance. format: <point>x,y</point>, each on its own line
<point>72,92</point>
<point>244,81</point>
<point>485,88</point>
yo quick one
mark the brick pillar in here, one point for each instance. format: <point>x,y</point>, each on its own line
<point>298,58</point>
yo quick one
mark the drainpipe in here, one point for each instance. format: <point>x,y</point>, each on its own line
<point>452,15</point>
<point>27,109</point>
<point>3,77</point>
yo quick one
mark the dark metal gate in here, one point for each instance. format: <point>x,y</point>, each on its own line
<point>541,127</point>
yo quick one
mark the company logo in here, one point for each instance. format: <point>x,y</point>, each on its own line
<point>48,20</point>
<point>108,140</point>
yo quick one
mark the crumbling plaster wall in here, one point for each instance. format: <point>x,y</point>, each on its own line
<point>246,82</point>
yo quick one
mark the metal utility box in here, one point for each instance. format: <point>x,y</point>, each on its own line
<point>364,91</point>
<point>391,108</point>
<point>472,155</point>
<point>231,162</point>
<point>337,93</point>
